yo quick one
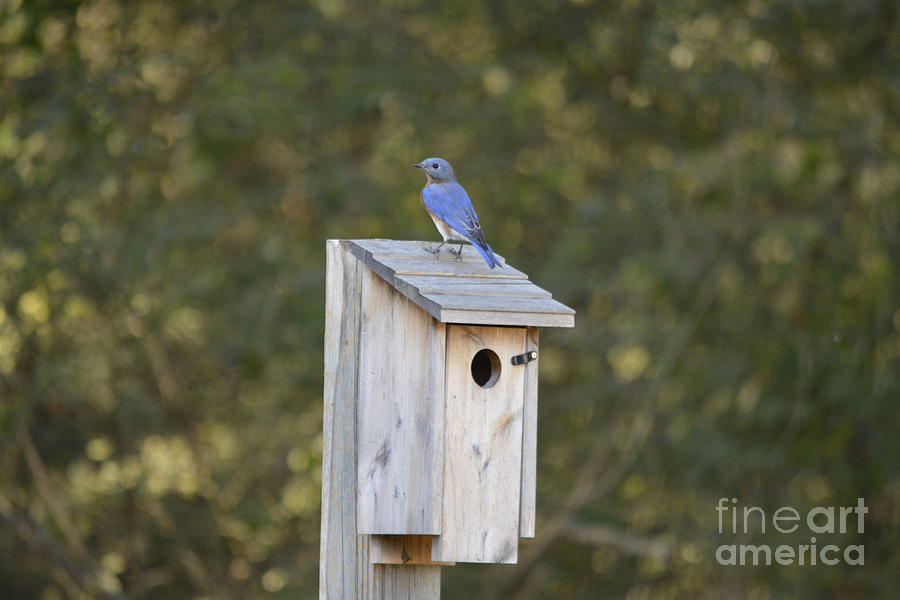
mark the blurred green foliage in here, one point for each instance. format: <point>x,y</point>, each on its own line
<point>714,186</point>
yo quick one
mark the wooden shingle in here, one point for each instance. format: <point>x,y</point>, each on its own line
<point>461,291</point>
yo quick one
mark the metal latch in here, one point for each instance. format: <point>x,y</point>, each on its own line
<point>521,359</point>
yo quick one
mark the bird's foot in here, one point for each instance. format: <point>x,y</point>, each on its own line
<point>436,250</point>
<point>458,253</point>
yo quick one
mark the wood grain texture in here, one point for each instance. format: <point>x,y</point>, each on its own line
<point>345,570</point>
<point>402,550</point>
<point>499,304</point>
<point>448,268</point>
<point>482,317</point>
<point>426,284</point>
<point>382,248</point>
<point>404,582</point>
<point>529,438</point>
<point>339,566</point>
<point>483,450</point>
<point>400,412</point>
<point>464,291</point>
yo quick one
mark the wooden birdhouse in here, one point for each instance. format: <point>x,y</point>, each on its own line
<point>430,441</point>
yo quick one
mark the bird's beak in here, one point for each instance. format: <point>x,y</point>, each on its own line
<point>418,165</point>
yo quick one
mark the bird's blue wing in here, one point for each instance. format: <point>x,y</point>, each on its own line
<point>451,204</point>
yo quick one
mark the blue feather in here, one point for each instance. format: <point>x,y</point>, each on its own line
<point>450,203</point>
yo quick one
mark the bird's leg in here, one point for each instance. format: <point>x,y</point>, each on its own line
<point>458,252</point>
<point>437,250</point>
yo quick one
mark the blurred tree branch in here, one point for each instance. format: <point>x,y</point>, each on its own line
<point>77,577</point>
<point>629,543</point>
<point>50,497</point>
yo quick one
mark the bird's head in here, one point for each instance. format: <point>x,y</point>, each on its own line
<point>437,169</point>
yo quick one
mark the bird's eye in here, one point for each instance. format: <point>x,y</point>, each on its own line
<point>434,165</point>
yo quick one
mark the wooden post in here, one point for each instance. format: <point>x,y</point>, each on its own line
<point>345,569</point>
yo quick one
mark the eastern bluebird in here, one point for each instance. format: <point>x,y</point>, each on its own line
<point>451,210</point>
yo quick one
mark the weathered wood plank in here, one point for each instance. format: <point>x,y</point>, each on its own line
<point>430,283</point>
<point>437,280</point>
<point>405,582</point>
<point>440,287</point>
<point>339,566</point>
<point>529,438</point>
<point>395,248</point>
<point>475,317</point>
<point>474,286</point>
<point>393,582</point>
<point>400,411</point>
<point>406,263</point>
<point>499,304</point>
<point>449,268</point>
<point>402,550</point>
<point>417,249</point>
<point>345,570</point>
<point>482,456</point>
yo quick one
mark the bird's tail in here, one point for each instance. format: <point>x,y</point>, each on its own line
<point>488,254</point>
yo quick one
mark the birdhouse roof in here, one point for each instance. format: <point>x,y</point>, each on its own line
<point>461,291</point>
